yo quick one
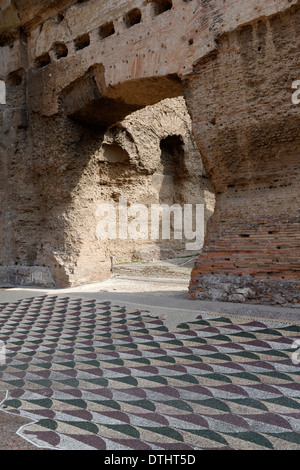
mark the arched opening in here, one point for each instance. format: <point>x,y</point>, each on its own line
<point>172,156</point>
<point>150,159</point>
<point>160,6</point>
<point>114,153</point>
<point>134,142</point>
<point>42,61</point>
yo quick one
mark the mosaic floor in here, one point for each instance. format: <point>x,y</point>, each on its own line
<point>94,375</point>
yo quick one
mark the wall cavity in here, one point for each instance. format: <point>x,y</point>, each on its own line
<point>2,92</point>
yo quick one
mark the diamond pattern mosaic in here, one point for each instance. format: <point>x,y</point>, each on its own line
<point>95,375</point>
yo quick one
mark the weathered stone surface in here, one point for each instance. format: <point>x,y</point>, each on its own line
<point>248,289</point>
<point>25,276</point>
<point>152,158</point>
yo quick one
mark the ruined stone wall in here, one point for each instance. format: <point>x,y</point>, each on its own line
<point>19,207</point>
<point>251,149</point>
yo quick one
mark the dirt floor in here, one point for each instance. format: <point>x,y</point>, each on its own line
<point>178,268</point>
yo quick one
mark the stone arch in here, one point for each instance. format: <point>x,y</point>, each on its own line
<point>160,6</point>
<point>89,100</point>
